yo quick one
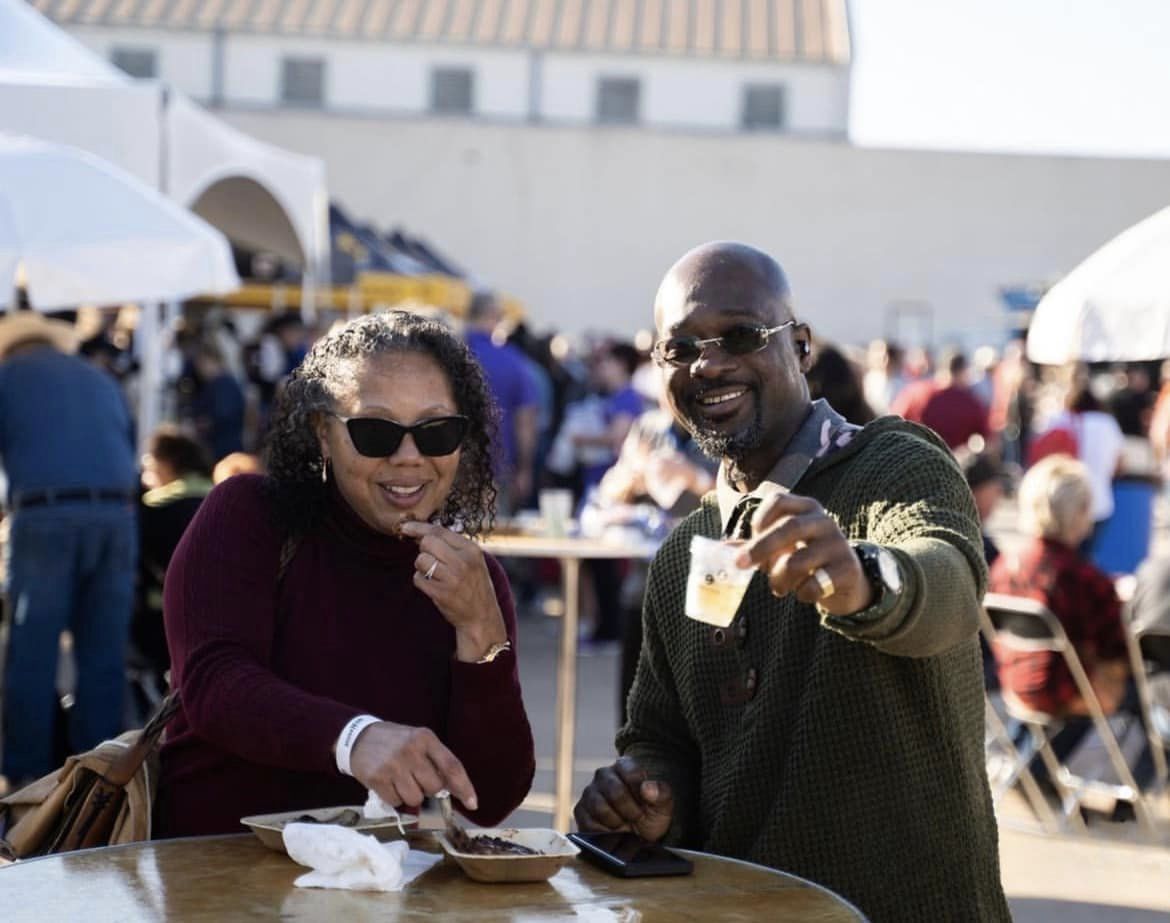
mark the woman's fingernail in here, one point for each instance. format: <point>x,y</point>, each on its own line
<point>743,560</point>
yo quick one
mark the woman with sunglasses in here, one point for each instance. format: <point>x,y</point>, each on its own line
<point>333,627</point>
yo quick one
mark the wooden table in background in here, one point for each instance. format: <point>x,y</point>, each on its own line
<point>237,878</point>
<point>570,552</point>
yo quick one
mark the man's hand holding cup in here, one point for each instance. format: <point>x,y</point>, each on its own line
<point>803,551</point>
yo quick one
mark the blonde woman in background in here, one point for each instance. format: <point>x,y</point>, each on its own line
<point>1056,510</point>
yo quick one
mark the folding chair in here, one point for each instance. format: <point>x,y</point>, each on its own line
<point>1006,766</point>
<point>1025,625</point>
<point>1149,653</point>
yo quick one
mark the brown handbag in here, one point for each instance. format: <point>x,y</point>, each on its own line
<point>102,797</point>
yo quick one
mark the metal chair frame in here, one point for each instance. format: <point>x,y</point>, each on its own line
<point>1018,770</point>
<point>1045,633</point>
<point>1140,645</point>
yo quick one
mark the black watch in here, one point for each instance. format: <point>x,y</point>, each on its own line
<point>883,572</point>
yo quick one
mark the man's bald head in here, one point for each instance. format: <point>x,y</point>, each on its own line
<point>722,273</point>
<point>736,379</point>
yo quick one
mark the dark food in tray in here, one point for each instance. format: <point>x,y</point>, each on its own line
<point>346,818</point>
<point>484,845</point>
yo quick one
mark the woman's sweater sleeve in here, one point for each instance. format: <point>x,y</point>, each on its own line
<point>487,726</point>
<point>220,612</point>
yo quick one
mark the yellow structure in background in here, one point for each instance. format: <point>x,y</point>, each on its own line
<point>372,291</point>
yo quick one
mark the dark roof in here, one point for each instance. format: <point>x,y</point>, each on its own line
<point>814,31</point>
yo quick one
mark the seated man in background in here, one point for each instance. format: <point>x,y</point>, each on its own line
<point>1149,614</point>
<point>985,478</point>
<point>176,475</point>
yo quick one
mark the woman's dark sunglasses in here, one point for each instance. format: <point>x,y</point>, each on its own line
<point>374,437</point>
<point>738,341</point>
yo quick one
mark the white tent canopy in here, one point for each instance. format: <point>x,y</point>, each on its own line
<point>82,230</point>
<point>1113,307</point>
<point>52,87</point>
<point>87,232</point>
<point>30,44</point>
<point>258,194</point>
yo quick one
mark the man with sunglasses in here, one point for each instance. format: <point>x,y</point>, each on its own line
<point>835,728</point>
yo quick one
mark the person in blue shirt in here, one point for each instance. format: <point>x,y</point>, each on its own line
<point>515,395</point>
<point>614,369</point>
<point>67,446</point>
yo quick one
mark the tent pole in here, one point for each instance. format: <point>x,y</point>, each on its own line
<point>168,405</point>
<point>146,344</point>
<point>308,297</point>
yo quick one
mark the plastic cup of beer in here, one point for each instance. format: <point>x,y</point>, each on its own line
<point>715,585</point>
<point>556,509</point>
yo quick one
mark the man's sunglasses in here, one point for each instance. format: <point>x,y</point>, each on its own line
<point>738,341</point>
<point>374,437</point>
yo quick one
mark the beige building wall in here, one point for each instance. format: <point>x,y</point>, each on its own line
<point>366,78</point>
<point>184,58</point>
<point>581,223</point>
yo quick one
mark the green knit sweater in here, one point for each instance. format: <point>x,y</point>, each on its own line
<point>856,759</point>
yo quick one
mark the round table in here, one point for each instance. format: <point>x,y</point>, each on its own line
<point>237,878</point>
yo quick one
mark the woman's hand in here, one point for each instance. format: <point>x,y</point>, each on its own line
<point>403,764</point>
<point>451,571</point>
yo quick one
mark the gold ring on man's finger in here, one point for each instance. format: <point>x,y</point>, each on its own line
<point>825,582</point>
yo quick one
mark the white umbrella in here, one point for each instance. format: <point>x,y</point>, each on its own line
<point>1114,307</point>
<point>87,232</point>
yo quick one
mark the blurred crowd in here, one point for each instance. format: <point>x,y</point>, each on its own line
<point>566,406</point>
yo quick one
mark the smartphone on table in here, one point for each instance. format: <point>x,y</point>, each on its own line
<point>627,855</point>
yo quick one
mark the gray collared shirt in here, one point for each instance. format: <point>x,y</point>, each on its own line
<point>823,432</point>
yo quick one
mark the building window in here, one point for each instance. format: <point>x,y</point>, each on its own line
<point>452,90</point>
<point>137,62</point>
<point>764,107</point>
<point>302,81</point>
<point>618,100</point>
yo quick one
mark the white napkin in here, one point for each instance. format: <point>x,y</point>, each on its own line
<point>344,858</point>
<point>376,809</point>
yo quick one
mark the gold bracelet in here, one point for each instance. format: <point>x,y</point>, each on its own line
<point>494,651</point>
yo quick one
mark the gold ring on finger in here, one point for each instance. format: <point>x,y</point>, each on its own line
<point>825,582</point>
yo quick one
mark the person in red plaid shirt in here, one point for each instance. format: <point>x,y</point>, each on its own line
<point>1055,503</point>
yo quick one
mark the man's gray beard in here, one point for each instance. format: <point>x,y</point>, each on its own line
<point>732,447</point>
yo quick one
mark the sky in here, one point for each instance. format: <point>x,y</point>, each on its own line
<point>1080,77</point>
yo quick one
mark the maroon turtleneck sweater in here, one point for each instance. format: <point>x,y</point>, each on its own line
<point>269,676</point>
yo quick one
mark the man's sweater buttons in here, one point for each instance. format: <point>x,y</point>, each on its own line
<point>739,690</point>
<point>737,631</point>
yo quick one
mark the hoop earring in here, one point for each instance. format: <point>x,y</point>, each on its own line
<point>324,470</point>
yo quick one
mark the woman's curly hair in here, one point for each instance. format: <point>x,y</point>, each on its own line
<point>294,454</point>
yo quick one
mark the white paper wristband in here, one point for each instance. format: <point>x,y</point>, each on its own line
<point>348,737</point>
